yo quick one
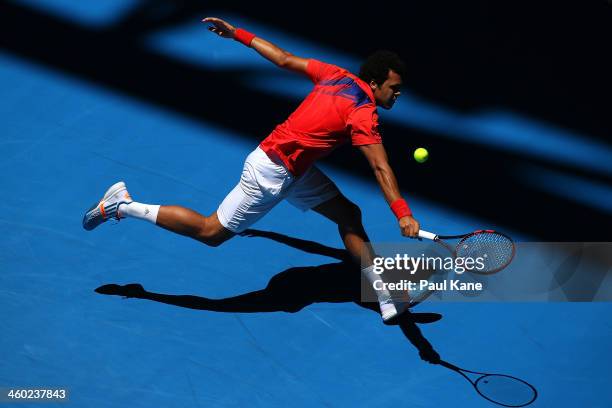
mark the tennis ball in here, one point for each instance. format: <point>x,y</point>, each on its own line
<point>421,155</point>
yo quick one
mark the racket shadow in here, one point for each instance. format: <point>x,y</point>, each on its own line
<point>501,389</point>
<point>292,290</point>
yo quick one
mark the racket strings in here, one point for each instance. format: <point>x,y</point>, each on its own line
<point>495,250</point>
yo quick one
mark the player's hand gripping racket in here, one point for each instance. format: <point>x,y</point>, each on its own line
<point>500,389</point>
<point>495,249</point>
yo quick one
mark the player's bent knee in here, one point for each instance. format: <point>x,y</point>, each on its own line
<point>352,217</point>
<point>205,236</point>
<point>212,233</point>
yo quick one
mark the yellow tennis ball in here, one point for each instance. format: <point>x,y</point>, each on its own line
<point>421,155</point>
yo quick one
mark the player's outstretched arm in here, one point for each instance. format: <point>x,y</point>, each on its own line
<point>266,49</point>
<point>377,158</point>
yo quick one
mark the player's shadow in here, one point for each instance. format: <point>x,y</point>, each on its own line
<point>293,289</point>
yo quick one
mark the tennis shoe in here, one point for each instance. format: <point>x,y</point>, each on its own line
<point>390,310</point>
<point>387,310</point>
<point>107,207</point>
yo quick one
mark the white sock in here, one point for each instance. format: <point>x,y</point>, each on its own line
<point>382,294</point>
<point>141,211</point>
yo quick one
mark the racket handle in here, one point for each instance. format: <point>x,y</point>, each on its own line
<point>449,365</point>
<point>427,235</point>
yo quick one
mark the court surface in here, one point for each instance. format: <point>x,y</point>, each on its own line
<point>65,140</point>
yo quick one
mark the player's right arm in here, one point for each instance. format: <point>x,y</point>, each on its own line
<point>266,49</point>
<point>377,158</point>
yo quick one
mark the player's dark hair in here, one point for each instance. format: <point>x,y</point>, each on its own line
<point>376,67</point>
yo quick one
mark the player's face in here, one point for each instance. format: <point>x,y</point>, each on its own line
<point>387,92</point>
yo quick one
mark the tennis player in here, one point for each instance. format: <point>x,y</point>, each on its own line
<point>340,108</point>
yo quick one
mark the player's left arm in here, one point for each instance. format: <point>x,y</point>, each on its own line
<point>379,162</point>
<point>266,49</point>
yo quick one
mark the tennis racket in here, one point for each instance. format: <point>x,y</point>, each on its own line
<point>501,389</point>
<point>495,249</point>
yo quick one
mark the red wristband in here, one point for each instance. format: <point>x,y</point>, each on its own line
<point>400,208</point>
<point>243,36</point>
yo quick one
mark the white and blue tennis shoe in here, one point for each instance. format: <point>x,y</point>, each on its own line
<point>107,208</point>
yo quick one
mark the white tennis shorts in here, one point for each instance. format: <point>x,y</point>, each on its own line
<point>264,184</point>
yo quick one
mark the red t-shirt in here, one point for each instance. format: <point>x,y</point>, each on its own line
<point>340,107</point>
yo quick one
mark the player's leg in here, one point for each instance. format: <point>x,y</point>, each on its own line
<point>260,188</point>
<point>347,216</point>
<point>117,203</point>
<point>190,223</point>
<point>314,190</point>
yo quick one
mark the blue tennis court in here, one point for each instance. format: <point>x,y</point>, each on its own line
<point>65,139</point>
